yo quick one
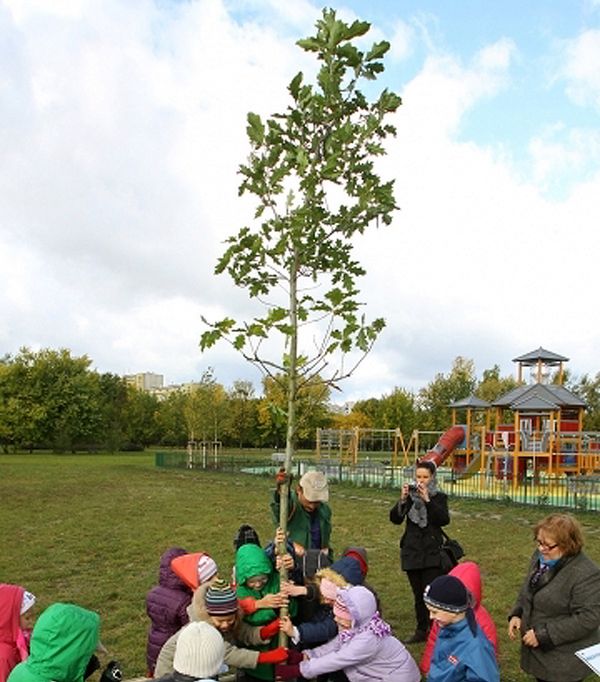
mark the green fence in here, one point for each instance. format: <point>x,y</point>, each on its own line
<point>574,492</point>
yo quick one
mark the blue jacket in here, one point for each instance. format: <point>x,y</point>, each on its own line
<point>460,656</point>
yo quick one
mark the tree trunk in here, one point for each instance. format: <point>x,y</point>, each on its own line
<point>290,439</point>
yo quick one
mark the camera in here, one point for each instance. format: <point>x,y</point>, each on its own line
<point>413,486</point>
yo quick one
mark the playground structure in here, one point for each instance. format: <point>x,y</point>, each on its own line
<point>530,434</point>
<point>346,445</point>
<point>201,451</point>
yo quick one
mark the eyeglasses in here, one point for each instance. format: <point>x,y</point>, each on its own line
<point>545,545</point>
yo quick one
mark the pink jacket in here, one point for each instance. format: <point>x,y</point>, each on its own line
<point>13,645</point>
<point>469,574</point>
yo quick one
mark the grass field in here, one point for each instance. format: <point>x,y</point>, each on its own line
<point>90,529</point>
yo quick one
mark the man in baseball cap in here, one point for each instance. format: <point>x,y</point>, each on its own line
<point>309,520</point>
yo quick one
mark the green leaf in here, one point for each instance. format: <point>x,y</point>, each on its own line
<point>255,129</point>
<point>377,51</point>
<point>309,44</point>
<point>294,86</point>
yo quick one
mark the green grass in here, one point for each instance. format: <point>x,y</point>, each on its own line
<point>90,529</point>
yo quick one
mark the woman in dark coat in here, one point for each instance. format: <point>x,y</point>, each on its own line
<point>425,510</point>
<point>557,611</point>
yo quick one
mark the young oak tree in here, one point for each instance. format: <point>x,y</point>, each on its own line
<point>311,170</point>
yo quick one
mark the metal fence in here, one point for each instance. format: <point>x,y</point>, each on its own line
<point>569,492</point>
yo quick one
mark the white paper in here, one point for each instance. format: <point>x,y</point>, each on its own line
<point>591,657</point>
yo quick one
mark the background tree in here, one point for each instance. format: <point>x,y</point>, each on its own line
<point>241,413</point>
<point>311,410</point>
<point>171,424</point>
<point>204,408</point>
<point>588,389</point>
<point>492,385</point>
<point>311,170</point>
<point>399,410</point>
<point>435,398</point>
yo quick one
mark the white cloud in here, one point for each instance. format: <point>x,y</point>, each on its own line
<point>581,68</point>
<point>402,41</point>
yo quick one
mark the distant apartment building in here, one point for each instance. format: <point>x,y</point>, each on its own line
<point>145,381</point>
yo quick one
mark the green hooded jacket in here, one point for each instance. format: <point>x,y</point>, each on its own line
<point>63,640</point>
<point>250,561</point>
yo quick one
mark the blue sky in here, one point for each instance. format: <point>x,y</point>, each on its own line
<point>122,125</point>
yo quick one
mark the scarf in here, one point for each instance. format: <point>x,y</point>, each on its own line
<point>375,624</point>
<point>418,510</point>
<point>543,567</point>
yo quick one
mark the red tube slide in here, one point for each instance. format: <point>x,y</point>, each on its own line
<point>445,446</point>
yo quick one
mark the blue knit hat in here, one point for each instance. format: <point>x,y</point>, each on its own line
<point>447,593</point>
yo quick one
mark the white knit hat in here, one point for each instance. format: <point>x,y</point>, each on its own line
<point>207,569</point>
<point>199,651</point>
<point>27,602</point>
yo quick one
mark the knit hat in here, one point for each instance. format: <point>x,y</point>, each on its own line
<point>349,568</point>
<point>328,589</point>
<point>220,599</point>
<point>245,535</point>
<point>207,569</point>
<point>199,651</point>
<point>340,609</point>
<point>447,593</point>
<point>360,554</point>
<point>27,602</point>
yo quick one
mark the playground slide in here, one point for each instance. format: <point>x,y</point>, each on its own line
<point>445,446</point>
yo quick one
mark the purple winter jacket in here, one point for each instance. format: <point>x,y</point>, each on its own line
<point>366,657</point>
<point>166,606</point>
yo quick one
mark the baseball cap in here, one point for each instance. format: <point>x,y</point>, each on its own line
<point>314,486</point>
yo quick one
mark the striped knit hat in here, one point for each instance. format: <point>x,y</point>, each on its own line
<point>220,599</point>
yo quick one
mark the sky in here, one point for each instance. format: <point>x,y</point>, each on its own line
<point>122,127</point>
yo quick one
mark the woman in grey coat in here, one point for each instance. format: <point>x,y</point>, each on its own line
<point>557,611</point>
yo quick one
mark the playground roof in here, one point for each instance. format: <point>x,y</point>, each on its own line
<point>470,401</point>
<point>542,396</point>
<point>543,355</point>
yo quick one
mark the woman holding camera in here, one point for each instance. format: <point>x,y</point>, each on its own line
<point>425,510</point>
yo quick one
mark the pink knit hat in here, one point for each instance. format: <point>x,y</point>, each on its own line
<point>340,609</point>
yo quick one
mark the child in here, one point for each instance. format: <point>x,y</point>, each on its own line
<point>16,622</point>
<point>63,642</point>
<point>195,570</point>
<point>259,595</point>
<point>364,649</point>
<point>461,652</point>
<point>198,654</point>
<point>166,606</point>
<point>470,576</point>
<point>320,626</point>
<point>219,608</point>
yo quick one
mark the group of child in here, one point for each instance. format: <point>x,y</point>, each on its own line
<point>203,625</point>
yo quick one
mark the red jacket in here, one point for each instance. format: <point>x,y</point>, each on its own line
<point>12,643</point>
<point>469,574</point>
